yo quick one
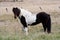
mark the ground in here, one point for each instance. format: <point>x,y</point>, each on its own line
<point>11,29</point>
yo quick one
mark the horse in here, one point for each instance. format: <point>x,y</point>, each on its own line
<point>29,19</point>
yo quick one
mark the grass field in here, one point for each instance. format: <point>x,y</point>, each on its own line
<point>10,29</point>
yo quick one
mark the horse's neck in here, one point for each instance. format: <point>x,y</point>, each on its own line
<point>25,12</point>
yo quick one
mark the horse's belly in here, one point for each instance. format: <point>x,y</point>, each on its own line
<point>31,19</point>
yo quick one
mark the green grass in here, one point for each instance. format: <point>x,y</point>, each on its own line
<point>36,36</point>
<point>11,30</point>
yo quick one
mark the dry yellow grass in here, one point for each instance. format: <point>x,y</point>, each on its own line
<point>10,29</point>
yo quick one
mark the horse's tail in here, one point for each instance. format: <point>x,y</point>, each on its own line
<point>49,25</point>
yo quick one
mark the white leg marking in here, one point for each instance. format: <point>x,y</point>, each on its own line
<point>26,30</point>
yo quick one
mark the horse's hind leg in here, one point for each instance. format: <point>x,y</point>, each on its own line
<point>44,26</point>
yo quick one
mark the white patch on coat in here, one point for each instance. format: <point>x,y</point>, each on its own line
<point>30,18</point>
<point>26,30</point>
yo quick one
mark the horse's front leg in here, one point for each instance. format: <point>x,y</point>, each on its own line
<point>23,21</point>
<point>26,30</point>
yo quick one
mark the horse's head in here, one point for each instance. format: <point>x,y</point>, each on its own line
<point>16,12</point>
